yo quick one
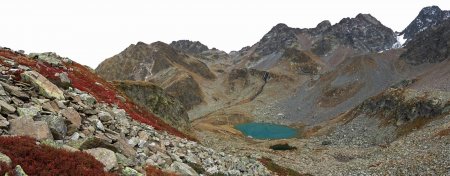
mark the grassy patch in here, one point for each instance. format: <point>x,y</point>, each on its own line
<point>282,147</point>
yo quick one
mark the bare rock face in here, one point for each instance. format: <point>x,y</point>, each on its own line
<point>279,37</point>
<point>156,100</point>
<point>427,18</point>
<point>189,46</point>
<point>429,46</point>
<point>363,33</point>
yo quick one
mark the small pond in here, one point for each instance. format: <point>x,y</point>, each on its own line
<point>266,130</point>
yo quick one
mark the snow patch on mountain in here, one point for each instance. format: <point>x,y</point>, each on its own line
<point>400,41</point>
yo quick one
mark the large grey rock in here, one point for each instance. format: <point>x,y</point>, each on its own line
<point>57,126</point>
<point>27,127</point>
<point>64,78</point>
<point>6,108</point>
<point>104,116</point>
<point>105,156</point>
<point>88,99</point>
<point>45,87</point>
<point>28,112</point>
<point>183,169</point>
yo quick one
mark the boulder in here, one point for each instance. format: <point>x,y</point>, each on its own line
<point>64,78</point>
<point>125,148</point>
<point>28,112</point>
<point>57,126</point>
<point>27,127</point>
<point>183,169</point>
<point>3,122</point>
<point>130,172</point>
<point>45,87</point>
<point>105,156</point>
<point>104,116</point>
<point>6,108</point>
<point>72,116</point>
<point>88,99</point>
<point>51,106</point>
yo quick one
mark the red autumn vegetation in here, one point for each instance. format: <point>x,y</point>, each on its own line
<point>5,169</point>
<point>44,160</point>
<point>83,79</point>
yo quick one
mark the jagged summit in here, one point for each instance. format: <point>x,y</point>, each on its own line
<point>429,46</point>
<point>368,18</point>
<point>279,37</point>
<point>428,17</point>
<point>364,33</point>
<point>193,47</point>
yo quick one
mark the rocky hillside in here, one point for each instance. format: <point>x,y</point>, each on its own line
<point>429,46</point>
<point>89,120</point>
<point>157,101</point>
<point>162,65</point>
<point>427,18</point>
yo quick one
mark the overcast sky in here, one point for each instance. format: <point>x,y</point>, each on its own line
<point>89,31</point>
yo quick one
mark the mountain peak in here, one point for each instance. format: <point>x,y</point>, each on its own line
<point>368,18</point>
<point>279,37</point>
<point>430,10</point>
<point>280,26</point>
<point>324,24</point>
<point>427,17</point>
<point>193,47</point>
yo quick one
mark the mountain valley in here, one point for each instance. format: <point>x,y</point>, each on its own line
<point>362,98</point>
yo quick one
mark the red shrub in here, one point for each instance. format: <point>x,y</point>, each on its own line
<point>153,171</point>
<point>44,160</point>
<point>4,168</point>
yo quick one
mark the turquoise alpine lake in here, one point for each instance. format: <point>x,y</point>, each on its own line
<point>266,130</point>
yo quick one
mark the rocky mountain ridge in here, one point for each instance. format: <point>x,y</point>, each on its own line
<point>427,18</point>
